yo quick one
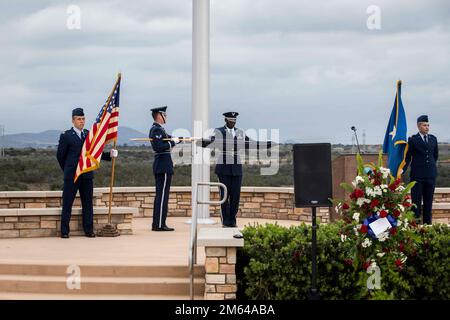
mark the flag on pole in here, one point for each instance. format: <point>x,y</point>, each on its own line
<point>103,132</point>
<point>395,140</point>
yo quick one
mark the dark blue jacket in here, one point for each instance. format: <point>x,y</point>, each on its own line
<point>228,159</point>
<point>163,159</point>
<point>422,157</point>
<point>68,154</point>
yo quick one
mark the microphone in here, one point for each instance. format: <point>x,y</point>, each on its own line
<point>353,128</point>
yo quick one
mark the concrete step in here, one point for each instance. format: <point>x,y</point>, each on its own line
<point>40,269</point>
<point>99,285</point>
<point>42,296</point>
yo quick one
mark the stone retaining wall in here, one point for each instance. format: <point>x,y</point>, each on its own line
<point>256,202</point>
<point>46,222</point>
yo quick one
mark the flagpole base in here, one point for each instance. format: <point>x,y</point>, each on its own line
<point>203,221</point>
<point>108,230</point>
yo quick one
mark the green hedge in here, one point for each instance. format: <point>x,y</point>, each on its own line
<point>275,263</point>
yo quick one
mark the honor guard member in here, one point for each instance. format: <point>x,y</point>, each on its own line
<point>68,154</point>
<point>162,144</point>
<point>423,155</point>
<point>229,141</point>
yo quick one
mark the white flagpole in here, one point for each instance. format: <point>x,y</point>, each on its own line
<point>200,100</point>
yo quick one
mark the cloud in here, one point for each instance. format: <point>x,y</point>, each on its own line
<point>310,69</point>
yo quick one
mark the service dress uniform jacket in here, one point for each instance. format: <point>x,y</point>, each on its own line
<point>68,155</point>
<point>229,167</point>
<point>422,156</point>
<point>163,171</point>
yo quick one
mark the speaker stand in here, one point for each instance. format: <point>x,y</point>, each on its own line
<point>314,294</point>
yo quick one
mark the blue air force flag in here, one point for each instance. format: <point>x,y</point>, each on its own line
<point>395,141</point>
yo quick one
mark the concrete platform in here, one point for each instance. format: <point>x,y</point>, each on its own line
<point>144,247</point>
<point>145,265</point>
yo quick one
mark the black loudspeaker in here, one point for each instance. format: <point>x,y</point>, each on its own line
<point>312,175</point>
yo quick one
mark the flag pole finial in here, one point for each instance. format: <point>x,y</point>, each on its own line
<point>399,83</point>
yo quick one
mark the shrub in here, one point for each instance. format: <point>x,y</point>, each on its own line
<point>275,263</point>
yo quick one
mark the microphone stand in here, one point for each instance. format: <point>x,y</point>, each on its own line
<point>357,142</point>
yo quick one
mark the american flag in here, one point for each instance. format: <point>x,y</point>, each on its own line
<point>103,131</point>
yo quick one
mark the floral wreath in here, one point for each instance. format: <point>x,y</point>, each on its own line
<point>378,218</point>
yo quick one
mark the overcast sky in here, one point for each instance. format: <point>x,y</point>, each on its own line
<point>309,68</point>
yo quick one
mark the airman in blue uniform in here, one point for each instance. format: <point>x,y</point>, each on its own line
<point>162,144</point>
<point>423,155</point>
<point>229,141</point>
<point>68,154</point>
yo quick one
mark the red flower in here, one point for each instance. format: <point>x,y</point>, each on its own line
<point>407,197</point>
<point>393,231</point>
<point>396,213</point>
<point>398,263</point>
<point>394,185</point>
<point>345,206</point>
<point>366,265</point>
<point>383,214</point>
<point>349,262</point>
<point>359,193</point>
<point>374,203</point>
<point>413,224</point>
<point>407,204</point>
<point>401,247</point>
<point>364,229</point>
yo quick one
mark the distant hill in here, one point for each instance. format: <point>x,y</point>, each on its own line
<point>50,138</point>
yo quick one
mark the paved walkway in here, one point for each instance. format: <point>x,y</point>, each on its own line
<point>144,247</point>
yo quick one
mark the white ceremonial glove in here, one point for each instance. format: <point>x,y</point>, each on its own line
<point>176,140</point>
<point>114,153</point>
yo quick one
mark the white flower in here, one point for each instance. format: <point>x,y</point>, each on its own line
<point>377,191</point>
<point>338,207</point>
<point>357,180</point>
<point>361,201</point>
<point>400,188</point>
<point>399,223</point>
<point>356,216</point>
<point>355,229</point>
<point>366,243</point>
<point>383,236</point>
<point>402,208</point>
<point>343,237</point>
<point>385,172</point>
<point>374,264</point>
<point>381,254</point>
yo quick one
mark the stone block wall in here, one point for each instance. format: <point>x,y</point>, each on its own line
<point>255,202</point>
<point>31,223</point>
<point>220,277</point>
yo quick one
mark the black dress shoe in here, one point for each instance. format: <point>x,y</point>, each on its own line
<point>65,236</point>
<point>165,228</point>
<point>226,226</point>
<point>90,235</point>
